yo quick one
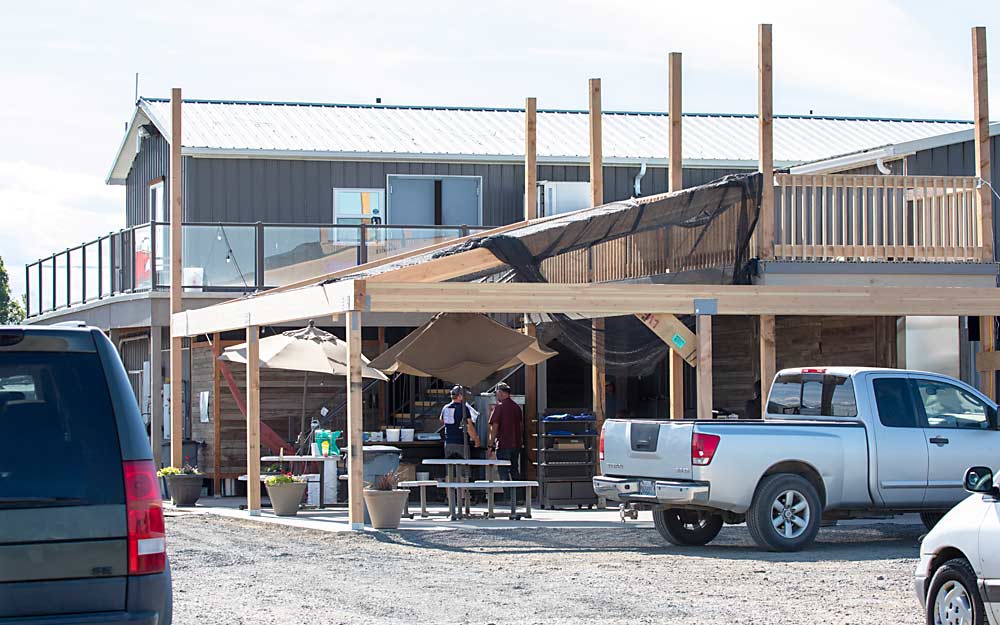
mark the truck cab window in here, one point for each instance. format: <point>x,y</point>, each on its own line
<point>895,403</point>
<point>948,406</point>
<point>812,394</point>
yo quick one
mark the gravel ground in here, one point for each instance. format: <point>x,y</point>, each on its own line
<point>234,572</point>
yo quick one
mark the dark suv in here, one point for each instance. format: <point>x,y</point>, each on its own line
<point>81,521</point>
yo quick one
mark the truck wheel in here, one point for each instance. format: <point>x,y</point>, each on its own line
<point>930,519</point>
<point>785,513</point>
<point>686,528</point>
<point>953,596</point>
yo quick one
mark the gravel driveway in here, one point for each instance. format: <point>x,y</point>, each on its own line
<point>232,571</point>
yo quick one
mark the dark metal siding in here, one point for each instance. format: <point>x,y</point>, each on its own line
<point>957,159</point>
<point>152,161</point>
<point>301,191</point>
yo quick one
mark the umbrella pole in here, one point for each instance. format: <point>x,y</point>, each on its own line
<point>305,392</point>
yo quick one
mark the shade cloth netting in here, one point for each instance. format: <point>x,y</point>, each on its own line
<point>703,233</point>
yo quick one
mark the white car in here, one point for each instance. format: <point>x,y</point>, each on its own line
<point>958,578</point>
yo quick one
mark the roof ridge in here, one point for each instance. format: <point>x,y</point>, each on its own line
<point>488,109</point>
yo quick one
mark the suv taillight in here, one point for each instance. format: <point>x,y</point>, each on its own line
<point>147,543</point>
<point>600,446</point>
<point>703,447</point>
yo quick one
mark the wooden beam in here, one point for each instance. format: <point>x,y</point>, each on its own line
<point>216,416</point>
<point>767,359</point>
<point>675,158</point>
<point>156,394</point>
<point>176,291</point>
<point>596,145</point>
<point>765,134</point>
<point>355,423</point>
<point>253,420</point>
<point>609,299</point>
<point>530,159</point>
<point>674,333</point>
<point>704,392</point>
<point>530,388</point>
<point>988,361</point>
<point>981,113</point>
<point>987,347</point>
<point>444,268</point>
<point>598,375</point>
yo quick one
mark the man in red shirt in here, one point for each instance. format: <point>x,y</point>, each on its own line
<point>505,432</point>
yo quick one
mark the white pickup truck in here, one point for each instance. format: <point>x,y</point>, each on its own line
<point>835,443</point>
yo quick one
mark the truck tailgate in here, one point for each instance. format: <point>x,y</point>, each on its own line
<point>658,449</point>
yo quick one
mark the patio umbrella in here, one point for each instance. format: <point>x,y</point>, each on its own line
<point>461,349</point>
<point>307,349</point>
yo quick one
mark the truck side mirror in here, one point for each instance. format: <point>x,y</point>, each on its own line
<point>979,480</point>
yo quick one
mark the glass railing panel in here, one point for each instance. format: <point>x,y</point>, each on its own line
<point>60,278</point>
<point>91,271</point>
<point>142,261</point>
<point>32,291</point>
<point>215,256</point>
<point>76,275</point>
<point>293,253</point>
<point>105,246</point>
<point>385,241</point>
<point>48,276</point>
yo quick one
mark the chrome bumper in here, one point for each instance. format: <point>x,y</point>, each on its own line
<point>626,489</point>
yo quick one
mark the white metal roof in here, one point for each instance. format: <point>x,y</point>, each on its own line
<point>381,132</point>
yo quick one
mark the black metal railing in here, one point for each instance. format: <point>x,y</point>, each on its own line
<point>225,256</point>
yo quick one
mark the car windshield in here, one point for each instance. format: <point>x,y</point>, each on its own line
<point>58,439</point>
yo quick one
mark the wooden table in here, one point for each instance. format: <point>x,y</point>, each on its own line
<point>304,459</point>
<point>450,464</point>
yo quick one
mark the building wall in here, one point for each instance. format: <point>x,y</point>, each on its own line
<point>152,162</point>
<point>958,159</point>
<point>301,191</point>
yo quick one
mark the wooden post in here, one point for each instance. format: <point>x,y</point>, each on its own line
<point>156,394</point>
<point>704,331</point>
<point>675,161</point>
<point>530,159</point>
<point>981,113</point>
<point>596,199</point>
<point>767,359</point>
<point>216,416</point>
<point>529,426</point>
<point>253,420</point>
<point>987,343</point>
<point>765,132</point>
<point>355,423</point>
<point>176,293</point>
<point>765,224</point>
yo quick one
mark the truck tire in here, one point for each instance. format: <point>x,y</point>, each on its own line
<point>930,519</point>
<point>953,595</point>
<point>785,513</point>
<point>686,528</point>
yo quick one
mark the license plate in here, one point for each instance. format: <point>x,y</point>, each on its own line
<point>647,488</point>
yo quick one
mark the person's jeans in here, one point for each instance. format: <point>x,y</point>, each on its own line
<point>513,472</point>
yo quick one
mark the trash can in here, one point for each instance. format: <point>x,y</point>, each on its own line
<point>378,460</point>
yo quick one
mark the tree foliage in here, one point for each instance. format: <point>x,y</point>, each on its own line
<point>11,310</point>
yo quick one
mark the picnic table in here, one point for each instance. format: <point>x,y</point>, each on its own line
<point>304,459</point>
<point>452,484</point>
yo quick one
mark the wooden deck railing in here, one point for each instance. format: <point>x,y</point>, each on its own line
<point>851,217</point>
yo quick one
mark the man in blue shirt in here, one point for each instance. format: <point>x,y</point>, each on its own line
<point>458,423</point>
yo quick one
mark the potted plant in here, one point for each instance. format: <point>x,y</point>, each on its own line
<point>183,484</point>
<point>285,491</point>
<point>385,501</point>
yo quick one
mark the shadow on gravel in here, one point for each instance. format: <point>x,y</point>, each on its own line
<point>856,543</point>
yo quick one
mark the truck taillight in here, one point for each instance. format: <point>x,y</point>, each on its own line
<point>600,446</point>
<point>147,543</point>
<point>703,447</point>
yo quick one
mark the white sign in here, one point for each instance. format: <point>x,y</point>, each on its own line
<point>203,406</point>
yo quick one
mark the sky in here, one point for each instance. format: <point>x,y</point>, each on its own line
<point>68,71</point>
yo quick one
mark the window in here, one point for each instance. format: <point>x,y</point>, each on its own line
<point>895,403</point>
<point>813,394</point>
<point>354,207</point>
<point>948,406</point>
<point>58,439</point>
<point>157,210</point>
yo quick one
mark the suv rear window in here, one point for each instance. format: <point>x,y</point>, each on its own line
<point>58,438</point>
<point>812,394</point>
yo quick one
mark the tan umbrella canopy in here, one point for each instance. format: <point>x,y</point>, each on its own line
<point>306,349</point>
<point>462,349</point>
